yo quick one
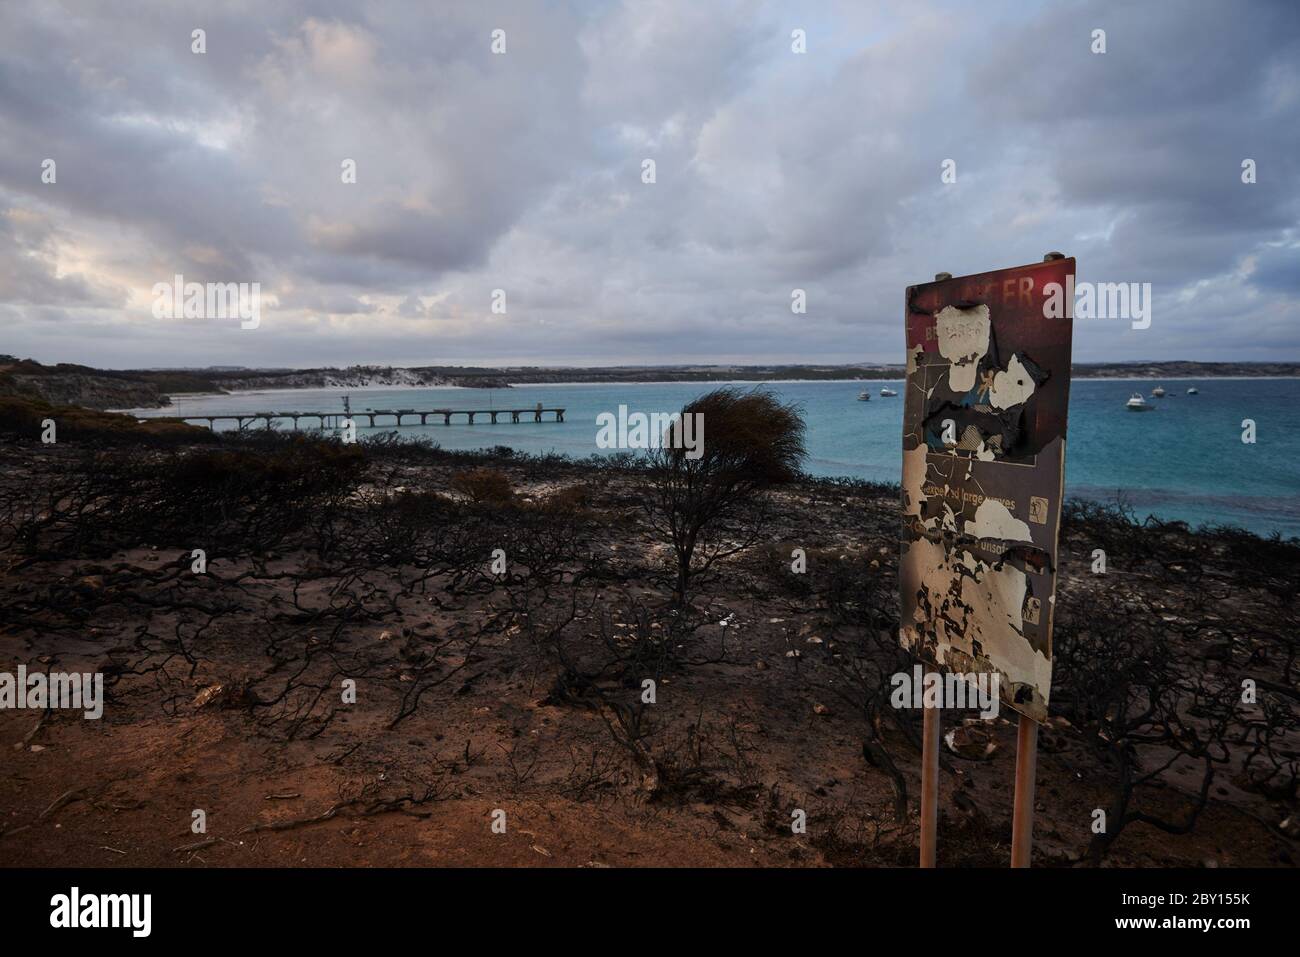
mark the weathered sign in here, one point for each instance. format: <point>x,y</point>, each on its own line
<point>988,382</point>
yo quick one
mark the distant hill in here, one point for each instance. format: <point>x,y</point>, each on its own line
<point>70,384</point>
<point>1183,369</point>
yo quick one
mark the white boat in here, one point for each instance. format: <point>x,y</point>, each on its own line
<point>1193,391</point>
<point>1158,392</point>
<point>887,392</point>
<point>1138,404</point>
<point>864,396</point>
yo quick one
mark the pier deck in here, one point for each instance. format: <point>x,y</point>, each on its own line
<point>332,420</point>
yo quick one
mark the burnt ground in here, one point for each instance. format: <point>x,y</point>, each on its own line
<point>477,693</point>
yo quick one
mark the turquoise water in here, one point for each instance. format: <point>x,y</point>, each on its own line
<point>1185,460</point>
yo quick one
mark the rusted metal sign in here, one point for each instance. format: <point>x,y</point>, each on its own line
<point>988,382</point>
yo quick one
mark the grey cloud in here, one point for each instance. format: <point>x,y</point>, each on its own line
<point>522,172</point>
<point>29,273</point>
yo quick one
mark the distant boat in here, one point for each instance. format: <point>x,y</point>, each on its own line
<point>887,392</point>
<point>1193,391</point>
<point>864,396</point>
<point>1138,404</point>
<point>1158,392</point>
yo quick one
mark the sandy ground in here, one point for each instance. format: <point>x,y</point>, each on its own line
<point>767,730</point>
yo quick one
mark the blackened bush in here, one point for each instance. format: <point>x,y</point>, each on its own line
<point>255,497</point>
<point>484,486</point>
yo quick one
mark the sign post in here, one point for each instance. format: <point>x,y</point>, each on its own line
<point>1022,819</point>
<point>988,379</point>
<point>929,785</point>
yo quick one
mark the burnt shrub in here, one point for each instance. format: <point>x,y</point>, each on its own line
<point>484,486</point>
<point>570,500</point>
<point>228,499</point>
<point>255,497</point>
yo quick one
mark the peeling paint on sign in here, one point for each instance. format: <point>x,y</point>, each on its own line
<point>983,471</point>
<point>963,336</point>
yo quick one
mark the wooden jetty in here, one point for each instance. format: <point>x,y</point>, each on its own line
<point>333,420</point>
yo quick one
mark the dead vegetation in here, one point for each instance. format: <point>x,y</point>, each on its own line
<point>642,648</point>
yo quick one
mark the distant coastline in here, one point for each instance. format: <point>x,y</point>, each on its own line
<point>153,388</point>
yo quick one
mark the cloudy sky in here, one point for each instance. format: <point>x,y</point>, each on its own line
<point>522,171</point>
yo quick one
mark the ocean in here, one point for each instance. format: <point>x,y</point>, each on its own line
<point>1185,460</point>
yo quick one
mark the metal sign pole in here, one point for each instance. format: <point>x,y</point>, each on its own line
<point>1022,822</point>
<point>929,784</point>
